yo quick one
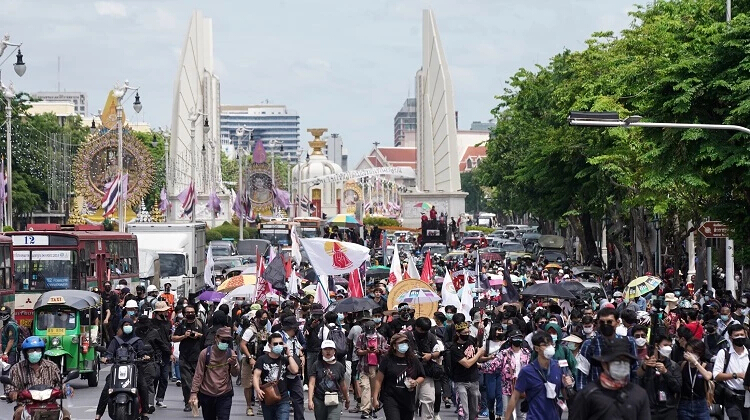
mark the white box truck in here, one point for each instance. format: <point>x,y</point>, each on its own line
<point>182,252</point>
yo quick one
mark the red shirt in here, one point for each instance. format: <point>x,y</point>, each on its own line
<point>433,214</point>
<point>696,328</point>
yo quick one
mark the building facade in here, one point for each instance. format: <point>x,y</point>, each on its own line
<point>336,152</point>
<point>267,122</point>
<point>79,100</point>
<point>405,124</point>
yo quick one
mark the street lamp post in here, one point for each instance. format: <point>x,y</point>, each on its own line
<point>194,116</point>
<point>240,132</point>
<point>8,93</point>
<point>612,119</point>
<point>120,92</point>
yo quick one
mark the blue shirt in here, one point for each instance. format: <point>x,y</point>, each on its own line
<point>593,347</point>
<point>531,381</point>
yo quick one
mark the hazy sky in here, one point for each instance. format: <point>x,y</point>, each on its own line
<point>345,65</point>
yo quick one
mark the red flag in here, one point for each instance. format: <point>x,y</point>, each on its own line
<point>427,268</point>
<point>355,284</point>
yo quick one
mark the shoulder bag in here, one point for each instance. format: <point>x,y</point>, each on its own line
<point>271,394</point>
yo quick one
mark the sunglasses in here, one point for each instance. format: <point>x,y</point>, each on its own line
<point>607,322</point>
<point>280,343</point>
<point>226,341</point>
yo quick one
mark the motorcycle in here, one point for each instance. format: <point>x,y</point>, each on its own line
<point>42,402</point>
<point>124,403</point>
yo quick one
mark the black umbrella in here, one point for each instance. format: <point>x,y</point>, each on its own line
<point>352,304</point>
<point>573,286</point>
<point>378,271</point>
<point>548,290</point>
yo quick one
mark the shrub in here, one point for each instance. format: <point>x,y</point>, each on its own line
<point>380,221</point>
<point>486,230</point>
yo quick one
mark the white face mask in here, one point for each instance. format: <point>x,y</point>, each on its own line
<point>549,352</point>
<point>640,341</point>
<point>621,330</point>
<point>588,330</point>
<point>329,359</point>
<point>665,351</point>
<point>619,370</point>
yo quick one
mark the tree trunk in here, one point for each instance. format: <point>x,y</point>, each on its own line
<point>589,238</point>
<point>618,236</point>
<point>637,216</point>
<point>700,264</point>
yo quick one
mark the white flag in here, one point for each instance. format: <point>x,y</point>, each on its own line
<point>208,271</point>
<point>395,275</point>
<point>448,292</point>
<point>296,254</point>
<point>293,283</point>
<point>411,269</point>
<point>332,257</point>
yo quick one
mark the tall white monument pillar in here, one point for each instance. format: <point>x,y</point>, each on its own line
<point>438,177</point>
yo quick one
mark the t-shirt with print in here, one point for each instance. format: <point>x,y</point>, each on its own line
<point>269,368</point>
<point>459,351</point>
<point>327,377</point>
<point>395,370</point>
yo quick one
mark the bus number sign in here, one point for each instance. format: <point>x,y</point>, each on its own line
<point>32,240</point>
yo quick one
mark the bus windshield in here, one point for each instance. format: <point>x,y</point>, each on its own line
<point>308,232</point>
<point>171,265</point>
<point>41,270</point>
<point>63,318</point>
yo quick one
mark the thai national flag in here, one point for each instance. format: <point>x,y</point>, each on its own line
<point>187,199</point>
<point>111,196</point>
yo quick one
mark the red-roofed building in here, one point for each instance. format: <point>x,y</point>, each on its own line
<point>471,158</point>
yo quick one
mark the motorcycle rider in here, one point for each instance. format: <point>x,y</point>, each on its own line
<point>33,371</point>
<point>126,337</point>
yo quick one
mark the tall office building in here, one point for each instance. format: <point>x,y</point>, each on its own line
<point>266,121</point>
<point>336,152</point>
<point>79,99</point>
<point>405,124</point>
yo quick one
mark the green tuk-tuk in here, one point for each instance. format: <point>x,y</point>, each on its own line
<point>66,321</point>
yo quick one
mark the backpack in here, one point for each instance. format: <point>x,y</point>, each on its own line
<point>125,346</point>
<point>22,333</point>
<point>338,336</point>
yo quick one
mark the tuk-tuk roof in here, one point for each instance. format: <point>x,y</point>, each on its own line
<point>587,269</point>
<point>76,299</point>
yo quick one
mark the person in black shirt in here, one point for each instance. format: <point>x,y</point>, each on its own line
<point>403,320</point>
<point>327,376</point>
<point>313,340</point>
<point>162,325</point>
<point>149,370</point>
<point>464,355</point>
<point>270,367</point>
<point>110,302</point>
<point>399,374</point>
<point>189,333</point>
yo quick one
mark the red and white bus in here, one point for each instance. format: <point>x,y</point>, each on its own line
<point>54,257</point>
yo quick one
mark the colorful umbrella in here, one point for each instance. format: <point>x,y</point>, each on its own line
<point>419,296</point>
<point>641,286</point>
<point>344,220</point>
<point>211,296</point>
<point>235,282</point>
<point>423,205</point>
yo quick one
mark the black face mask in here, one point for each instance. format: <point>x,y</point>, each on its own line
<point>517,342</point>
<point>607,330</point>
<point>739,341</point>
<point>710,330</point>
<point>190,317</point>
<point>463,337</point>
<point>420,334</point>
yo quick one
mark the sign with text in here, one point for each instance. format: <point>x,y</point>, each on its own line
<point>713,230</point>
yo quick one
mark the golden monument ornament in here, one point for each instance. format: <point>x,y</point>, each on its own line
<point>95,165</point>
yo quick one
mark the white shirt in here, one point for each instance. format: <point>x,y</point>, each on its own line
<point>517,360</point>
<point>493,347</point>
<point>737,364</point>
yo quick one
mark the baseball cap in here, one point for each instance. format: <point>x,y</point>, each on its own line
<point>328,344</point>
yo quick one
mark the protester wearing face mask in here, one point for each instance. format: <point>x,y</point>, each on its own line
<point>512,360</point>
<point>32,371</point>
<point>611,395</point>
<point>464,356</point>
<point>125,336</point>
<point>377,297</point>
<point>729,371</point>
<point>370,347</point>
<point>662,379</point>
<point>163,326</point>
<point>110,302</point>
<point>273,367</point>
<point>542,381</point>
<point>149,371</point>
<point>695,379</point>
<point>189,334</point>
<point>640,336</point>
<point>403,320</point>
<point>489,366</point>
<point>714,342</point>
<point>563,355</point>
<point>724,321</point>
<point>212,383</point>
<point>587,326</point>
<point>326,383</point>
<point>540,320</point>
<point>593,347</point>
<point>399,374</point>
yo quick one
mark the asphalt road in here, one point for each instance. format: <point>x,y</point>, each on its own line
<point>82,406</point>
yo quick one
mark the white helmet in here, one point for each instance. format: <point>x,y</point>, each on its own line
<point>151,288</point>
<point>131,304</point>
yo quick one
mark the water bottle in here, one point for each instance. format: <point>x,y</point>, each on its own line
<point>68,390</point>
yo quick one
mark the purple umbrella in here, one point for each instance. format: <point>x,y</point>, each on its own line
<point>211,296</point>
